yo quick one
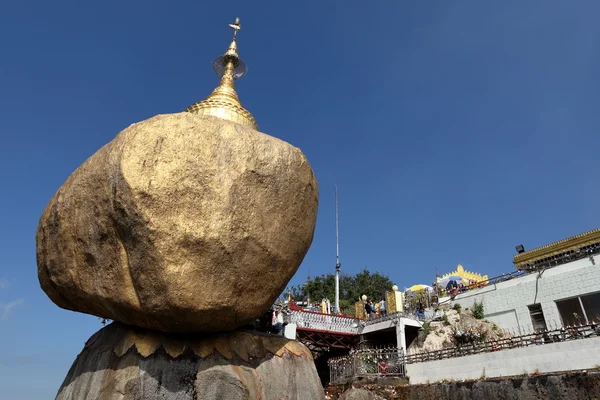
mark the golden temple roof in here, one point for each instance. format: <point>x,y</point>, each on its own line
<point>467,275</point>
<point>562,246</point>
<point>223,102</point>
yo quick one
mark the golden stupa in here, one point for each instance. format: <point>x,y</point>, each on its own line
<point>223,102</point>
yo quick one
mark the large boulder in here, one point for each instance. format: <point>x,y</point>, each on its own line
<point>121,363</point>
<point>182,223</point>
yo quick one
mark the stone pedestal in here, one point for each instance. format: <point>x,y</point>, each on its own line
<point>122,362</point>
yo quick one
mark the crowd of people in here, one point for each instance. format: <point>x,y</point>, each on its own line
<point>375,310</point>
<point>455,288</point>
<point>271,322</point>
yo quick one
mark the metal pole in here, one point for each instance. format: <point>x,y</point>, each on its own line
<point>338,265</point>
<point>587,321</point>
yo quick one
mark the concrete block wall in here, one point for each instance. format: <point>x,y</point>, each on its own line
<point>506,303</point>
<point>553,357</point>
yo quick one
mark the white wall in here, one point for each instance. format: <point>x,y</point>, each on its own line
<point>553,357</point>
<point>499,300</point>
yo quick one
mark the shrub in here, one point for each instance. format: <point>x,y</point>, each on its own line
<point>478,310</point>
<point>426,328</point>
<point>457,307</point>
<point>469,336</point>
<point>445,319</point>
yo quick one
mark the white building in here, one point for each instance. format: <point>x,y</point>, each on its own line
<point>560,287</point>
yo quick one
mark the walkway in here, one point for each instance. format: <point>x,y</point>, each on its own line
<point>320,331</point>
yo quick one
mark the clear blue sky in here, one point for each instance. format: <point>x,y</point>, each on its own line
<point>454,130</point>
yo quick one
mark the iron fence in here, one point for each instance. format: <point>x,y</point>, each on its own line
<point>505,343</point>
<point>374,362</point>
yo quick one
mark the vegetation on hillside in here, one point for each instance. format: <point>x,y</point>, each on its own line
<point>352,287</point>
<point>478,310</point>
<point>455,328</point>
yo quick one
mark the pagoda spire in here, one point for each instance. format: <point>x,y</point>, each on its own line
<point>223,102</point>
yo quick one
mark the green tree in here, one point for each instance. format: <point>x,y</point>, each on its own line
<point>352,287</point>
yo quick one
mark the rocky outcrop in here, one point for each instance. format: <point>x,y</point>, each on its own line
<point>121,362</point>
<point>359,394</point>
<point>182,223</point>
<point>574,385</point>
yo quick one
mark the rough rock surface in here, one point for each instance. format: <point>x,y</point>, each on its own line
<point>182,223</point>
<point>100,373</point>
<point>438,337</point>
<point>359,394</point>
<point>556,386</point>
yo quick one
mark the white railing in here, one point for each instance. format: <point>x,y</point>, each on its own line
<point>324,322</point>
<point>342,324</point>
<point>388,317</point>
<point>430,315</point>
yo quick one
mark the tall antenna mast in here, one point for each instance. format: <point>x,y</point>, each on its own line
<point>338,264</point>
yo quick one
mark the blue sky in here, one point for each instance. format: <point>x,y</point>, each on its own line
<point>454,130</point>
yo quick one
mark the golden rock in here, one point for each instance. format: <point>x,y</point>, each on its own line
<point>182,223</point>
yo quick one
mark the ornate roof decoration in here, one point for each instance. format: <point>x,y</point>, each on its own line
<point>466,275</point>
<point>573,243</point>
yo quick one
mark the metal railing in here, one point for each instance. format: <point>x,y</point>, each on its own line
<point>427,315</point>
<point>482,284</point>
<point>375,362</point>
<point>532,339</point>
<point>386,317</point>
<point>324,322</point>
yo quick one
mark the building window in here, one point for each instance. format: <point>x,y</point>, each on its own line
<point>591,305</point>
<point>537,317</point>
<point>580,310</point>
<point>570,311</point>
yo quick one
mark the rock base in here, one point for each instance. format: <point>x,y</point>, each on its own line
<point>121,362</point>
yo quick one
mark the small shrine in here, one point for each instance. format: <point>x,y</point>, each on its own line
<point>466,276</point>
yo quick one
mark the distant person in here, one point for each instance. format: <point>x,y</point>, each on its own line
<point>265,323</point>
<point>453,291</point>
<point>278,324</point>
<point>367,309</point>
<point>382,366</point>
<point>372,307</point>
<point>382,308</point>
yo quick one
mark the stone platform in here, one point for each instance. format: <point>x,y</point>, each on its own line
<point>122,362</point>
